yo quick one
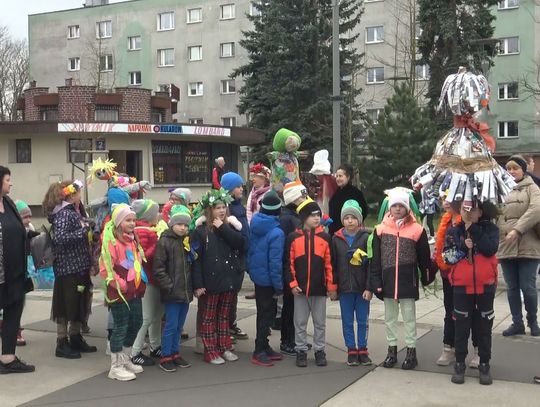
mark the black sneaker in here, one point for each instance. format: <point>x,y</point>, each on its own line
<point>156,353</point>
<point>287,349</point>
<point>167,365</point>
<point>181,362</point>
<point>364,359</point>
<point>273,355</point>
<point>142,360</point>
<point>514,330</point>
<point>16,366</point>
<point>301,358</point>
<point>352,357</point>
<point>78,343</point>
<point>320,358</point>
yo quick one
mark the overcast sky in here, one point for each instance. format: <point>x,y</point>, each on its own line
<point>15,13</point>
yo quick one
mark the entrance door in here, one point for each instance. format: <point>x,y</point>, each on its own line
<point>127,162</point>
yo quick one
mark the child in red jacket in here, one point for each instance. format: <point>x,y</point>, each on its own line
<point>470,248</point>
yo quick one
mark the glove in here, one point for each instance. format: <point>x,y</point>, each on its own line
<point>358,257</point>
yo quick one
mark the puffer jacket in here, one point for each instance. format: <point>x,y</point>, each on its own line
<point>265,259</point>
<point>148,238</point>
<point>71,246</point>
<point>172,270</point>
<point>218,267</point>
<point>521,213</point>
<point>350,278</point>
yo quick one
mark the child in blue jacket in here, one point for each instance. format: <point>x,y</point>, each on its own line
<point>265,263</point>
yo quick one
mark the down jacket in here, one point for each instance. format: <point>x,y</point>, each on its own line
<point>349,278</point>
<point>521,213</point>
<point>266,245</point>
<point>148,239</point>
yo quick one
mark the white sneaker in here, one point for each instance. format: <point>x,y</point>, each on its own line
<point>199,347</point>
<point>448,356</point>
<point>108,348</point>
<point>475,361</point>
<point>118,371</point>
<point>217,361</point>
<point>128,364</point>
<point>229,356</point>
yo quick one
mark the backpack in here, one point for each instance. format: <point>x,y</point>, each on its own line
<point>41,248</point>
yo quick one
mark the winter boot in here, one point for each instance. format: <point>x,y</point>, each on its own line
<point>320,358</point>
<point>458,377</point>
<point>484,374</point>
<point>475,361</point>
<point>391,357</point>
<point>514,330</point>
<point>78,343</point>
<point>535,330</point>
<point>128,364</point>
<point>118,371</point>
<point>301,358</point>
<point>410,361</point>
<point>63,350</point>
<point>448,356</point>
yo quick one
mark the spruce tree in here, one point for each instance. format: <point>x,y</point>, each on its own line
<point>288,78</point>
<point>400,141</point>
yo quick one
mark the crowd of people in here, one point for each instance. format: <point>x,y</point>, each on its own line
<point>154,262</point>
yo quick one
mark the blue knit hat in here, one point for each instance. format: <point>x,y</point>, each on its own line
<point>117,196</point>
<point>231,180</point>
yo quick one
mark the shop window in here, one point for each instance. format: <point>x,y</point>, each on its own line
<point>178,162</point>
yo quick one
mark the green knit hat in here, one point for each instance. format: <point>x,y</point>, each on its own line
<point>23,209</point>
<point>351,207</point>
<point>179,215</point>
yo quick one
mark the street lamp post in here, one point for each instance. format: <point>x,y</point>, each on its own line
<point>336,93</point>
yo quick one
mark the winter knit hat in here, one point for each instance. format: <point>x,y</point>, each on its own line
<point>308,208</point>
<point>179,215</point>
<point>260,170</point>
<point>398,196</point>
<point>182,193</point>
<point>117,196</point>
<point>519,160</point>
<point>271,204</point>
<point>23,209</point>
<point>292,191</point>
<point>145,209</point>
<point>121,212</point>
<point>351,207</point>
<point>231,180</point>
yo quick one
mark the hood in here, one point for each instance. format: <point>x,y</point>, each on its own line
<point>261,224</point>
<point>58,208</point>
<point>318,229</point>
<point>525,182</point>
<point>169,234</point>
<point>341,234</point>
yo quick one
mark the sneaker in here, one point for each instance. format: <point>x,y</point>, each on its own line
<point>458,377</point>
<point>352,357</point>
<point>514,330</point>
<point>16,366</point>
<point>20,338</point>
<point>229,356</point>
<point>363,357</point>
<point>78,343</point>
<point>320,358</point>
<point>262,359</point>
<point>238,333</point>
<point>475,361</point>
<point>118,371</point>
<point>217,361</point>
<point>448,356</point>
<point>287,349</point>
<point>301,358</point>
<point>485,374</point>
<point>167,365</point>
<point>156,353</point>
<point>273,355</point>
<point>181,362</point>
<point>142,360</point>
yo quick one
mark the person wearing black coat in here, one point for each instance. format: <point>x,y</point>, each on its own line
<point>346,190</point>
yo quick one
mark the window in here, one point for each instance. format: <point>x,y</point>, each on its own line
<point>106,113</point>
<point>375,75</point>
<point>195,89</point>
<point>178,162</point>
<point>373,114</point>
<point>226,49</point>
<point>157,116</point>
<point>79,144</point>
<point>508,129</point>
<point>422,72</point>
<point>253,10</point>
<point>228,121</point>
<point>163,87</point>
<point>49,113</point>
<point>195,53</point>
<point>74,64</point>
<point>196,121</point>
<point>166,57</point>
<point>374,34</point>
<point>165,21</point>
<point>104,29</point>
<point>228,86</point>
<point>508,91</point>
<point>508,4</point>
<point>105,63</point>
<point>74,31</point>
<point>134,43</point>
<point>23,150</point>
<point>508,46</point>
<point>226,11</point>
<point>135,78</point>
<point>194,15</point>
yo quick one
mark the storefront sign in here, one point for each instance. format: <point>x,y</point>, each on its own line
<point>144,129</point>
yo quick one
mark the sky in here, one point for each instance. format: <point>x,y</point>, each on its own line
<point>14,15</point>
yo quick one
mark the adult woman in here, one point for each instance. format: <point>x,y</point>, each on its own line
<point>346,190</point>
<point>519,247</point>
<point>217,172</point>
<point>261,185</point>
<point>12,276</point>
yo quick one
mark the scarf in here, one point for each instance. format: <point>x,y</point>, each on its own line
<point>256,195</point>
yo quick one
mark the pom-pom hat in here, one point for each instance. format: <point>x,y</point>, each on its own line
<point>179,215</point>
<point>292,191</point>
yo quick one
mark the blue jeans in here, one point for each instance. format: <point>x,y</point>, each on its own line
<point>352,304</point>
<point>175,317</point>
<point>520,275</point>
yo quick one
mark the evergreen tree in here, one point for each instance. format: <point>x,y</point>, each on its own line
<point>288,79</point>
<point>400,141</point>
<point>454,33</point>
